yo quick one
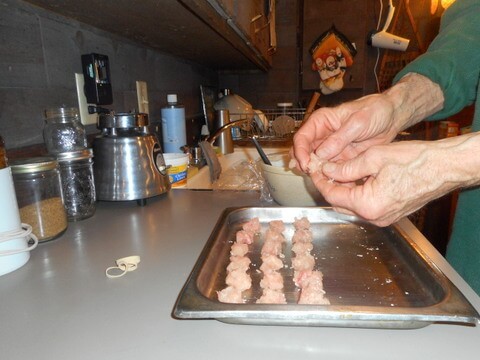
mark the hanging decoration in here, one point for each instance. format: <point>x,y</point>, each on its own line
<point>332,53</point>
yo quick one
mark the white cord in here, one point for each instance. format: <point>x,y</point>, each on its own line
<point>375,70</point>
<point>25,231</point>
<point>378,49</point>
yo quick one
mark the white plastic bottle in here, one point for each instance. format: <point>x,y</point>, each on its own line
<point>173,126</point>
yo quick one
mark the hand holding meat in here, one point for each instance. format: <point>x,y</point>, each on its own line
<point>388,182</point>
<point>343,132</point>
<point>359,173</point>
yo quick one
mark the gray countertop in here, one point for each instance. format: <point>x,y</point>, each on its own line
<point>60,305</point>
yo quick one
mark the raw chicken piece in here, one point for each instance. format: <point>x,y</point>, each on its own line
<point>238,263</point>
<point>230,295</point>
<point>302,235</point>
<point>302,223</point>
<point>302,247</point>
<point>239,280</point>
<point>277,226</point>
<point>244,237</point>
<point>315,164</point>
<point>252,226</point>
<point>302,262</point>
<point>238,249</point>
<point>272,280</point>
<point>271,263</point>
<point>308,296</point>
<point>292,164</point>
<point>272,235</point>
<point>310,278</point>
<point>311,283</point>
<point>270,296</point>
<point>271,247</point>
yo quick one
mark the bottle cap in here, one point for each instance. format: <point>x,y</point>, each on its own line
<point>61,112</point>
<point>172,98</point>
<point>33,165</point>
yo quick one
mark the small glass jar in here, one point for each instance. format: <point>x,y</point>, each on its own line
<point>39,196</point>
<point>63,131</point>
<point>76,172</point>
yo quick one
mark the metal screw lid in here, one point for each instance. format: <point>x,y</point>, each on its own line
<point>33,165</point>
<point>122,120</point>
<point>64,114</point>
<point>75,155</point>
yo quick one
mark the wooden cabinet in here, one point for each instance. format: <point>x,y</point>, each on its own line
<point>350,18</point>
<point>244,23</point>
<point>251,17</point>
<point>214,33</point>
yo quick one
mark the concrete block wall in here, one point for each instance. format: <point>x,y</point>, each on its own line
<point>40,51</point>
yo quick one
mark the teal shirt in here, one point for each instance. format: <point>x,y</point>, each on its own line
<point>453,62</point>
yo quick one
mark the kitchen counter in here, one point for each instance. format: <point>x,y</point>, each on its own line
<point>60,305</point>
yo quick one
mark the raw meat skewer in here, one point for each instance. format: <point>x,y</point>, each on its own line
<point>308,280</point>
<point>238,279</point>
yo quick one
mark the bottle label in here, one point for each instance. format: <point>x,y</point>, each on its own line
<point>178,175</point>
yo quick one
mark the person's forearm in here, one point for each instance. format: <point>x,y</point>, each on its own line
<point>461,160</point>
<point>414,98</point>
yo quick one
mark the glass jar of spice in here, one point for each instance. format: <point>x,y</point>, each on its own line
<point>63,131</point>
<point>39,196</point>
<point>78,185</point>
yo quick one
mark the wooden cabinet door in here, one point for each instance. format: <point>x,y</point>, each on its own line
<point>241,12</point>
<point>350,18</point>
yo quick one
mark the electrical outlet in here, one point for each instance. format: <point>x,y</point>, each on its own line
<point>142,97</point>
<point>85,117</point>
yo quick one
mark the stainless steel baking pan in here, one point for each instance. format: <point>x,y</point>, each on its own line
<point>374,277</point>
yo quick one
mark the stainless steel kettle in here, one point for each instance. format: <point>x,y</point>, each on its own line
<point>128,159</point>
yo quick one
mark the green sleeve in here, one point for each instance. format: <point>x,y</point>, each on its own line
<point>453,58</point>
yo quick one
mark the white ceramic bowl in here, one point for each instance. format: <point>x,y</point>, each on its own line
<point>290,187</point>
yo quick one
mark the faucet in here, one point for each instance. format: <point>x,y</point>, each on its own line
<point>227,126</point>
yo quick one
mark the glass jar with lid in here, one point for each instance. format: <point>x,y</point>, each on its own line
<point>76,172</point>
<point>39,196</point>
<point>63,131</point>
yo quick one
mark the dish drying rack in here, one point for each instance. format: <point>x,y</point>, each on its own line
<point>271,118</point>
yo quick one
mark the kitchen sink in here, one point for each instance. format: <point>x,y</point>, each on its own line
<point>239,159</point>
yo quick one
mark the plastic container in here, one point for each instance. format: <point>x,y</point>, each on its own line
<point>177,172</point>
<point>39,195</point>
<point>14,249</point>
<point>63,131</point>
<point>173,126</point>
<point>76,171</point>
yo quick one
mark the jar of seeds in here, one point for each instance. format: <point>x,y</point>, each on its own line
<point>78,186</point>
<point>63,131</point>
<point>39,196</point>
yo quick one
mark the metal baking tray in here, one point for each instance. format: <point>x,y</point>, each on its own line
<point>374,277</point>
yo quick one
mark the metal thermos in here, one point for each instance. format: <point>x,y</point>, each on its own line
<point>225,140</point>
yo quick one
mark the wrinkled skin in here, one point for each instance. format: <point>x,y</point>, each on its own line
<point>400,178</point>
<point>343,132</point>
<point>364,173</point>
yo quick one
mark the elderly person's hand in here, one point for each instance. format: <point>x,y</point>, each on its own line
<point>388,182</point>
<point>343,132</point>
